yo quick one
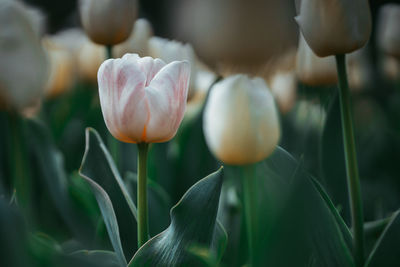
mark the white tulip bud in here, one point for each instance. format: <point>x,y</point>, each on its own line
<point>333,27</point>
<point>108,22</point>
<point>241,124</point>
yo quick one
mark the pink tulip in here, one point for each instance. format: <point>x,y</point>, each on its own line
<point>143,100</point>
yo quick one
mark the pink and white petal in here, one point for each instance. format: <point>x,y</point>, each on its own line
<point>150,67</point>
<point>120,81</point>
<point>167,95</point>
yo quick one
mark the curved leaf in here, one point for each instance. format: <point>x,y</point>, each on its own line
<point>94,142</point>
<point>193,222</point>
<point>98,165</point>
<point>109,218</point>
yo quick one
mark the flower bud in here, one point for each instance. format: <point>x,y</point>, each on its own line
<point>169,51</point>
<point>336,26</point>
<point>108,22</point>
<point>61,76</point>
<point>389,29</point>
<point>143,99</point>
<point>137,42</point>
<point>91,56</point>
<point>313,70</point>
<point>23,63</point>
<point>283,88</point>
<point>241,124</point>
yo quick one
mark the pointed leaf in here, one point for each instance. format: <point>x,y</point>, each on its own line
<point>94,142</point>
<point>193,222</point>
<point>387,250</point>
<point>98,165</point>
<point>109,218</point>
<point>298,227</point>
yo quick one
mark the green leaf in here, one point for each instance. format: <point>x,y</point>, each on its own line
<point>299,229</point>
<point>109,218</point>
<point>101,154</point>
<point>332,159</point>
<point>347,235</point>
<point>98,165</point>
<point>193,222</point>
<point>98,257</point>
<point>387,250</point>
<point>51,178</point>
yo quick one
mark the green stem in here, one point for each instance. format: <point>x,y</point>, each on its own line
<point>250,204</point>
<point>113,144</point>
<point>19,171</point>
<point>143,232</point>
<point>353,180</point>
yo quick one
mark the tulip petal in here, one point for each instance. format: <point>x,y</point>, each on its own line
<point>121,91</point>
<point>150,67</point>
<point>166,95</point>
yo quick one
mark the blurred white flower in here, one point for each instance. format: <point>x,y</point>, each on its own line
<point>108,22</point>
<point>241,123</point>
<point>389,29</point>
<point>23,64</point>
<point>169,50</point>
<point>335,26</point>
<point>313,70</point>
<point>137,41</point>
<point>284,89</point>
<point>62,75</point>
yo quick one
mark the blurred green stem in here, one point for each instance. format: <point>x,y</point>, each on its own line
<point>250,204</point>
<point>19,162</point>
<point>143,232</point>
<point>113,144</point>
<point>353,180</point>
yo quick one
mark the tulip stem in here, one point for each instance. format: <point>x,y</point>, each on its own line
<point>142,224</point>
<point>353,180</point>
<point>113,144</point>
<point>250,204</point>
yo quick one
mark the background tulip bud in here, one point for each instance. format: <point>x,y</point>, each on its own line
<point>389,29</point>
<point>108,22</point>
<point>143,99</point>
<point>336,26</point>
<point>169,51</point>
<point>137,42</point>
<point>313,70</point>
<point>241,124</point>
<point>23,64</point>
<point>61,76</point>
<point>283,88</point>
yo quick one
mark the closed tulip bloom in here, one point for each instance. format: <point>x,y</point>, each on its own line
<point>241,124</point>
<point>143,100</point>
<point>313,70</point>
<point>108,22</point>
<point>333,27</point>
<point>23,62</point>
<point>389,29</point>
